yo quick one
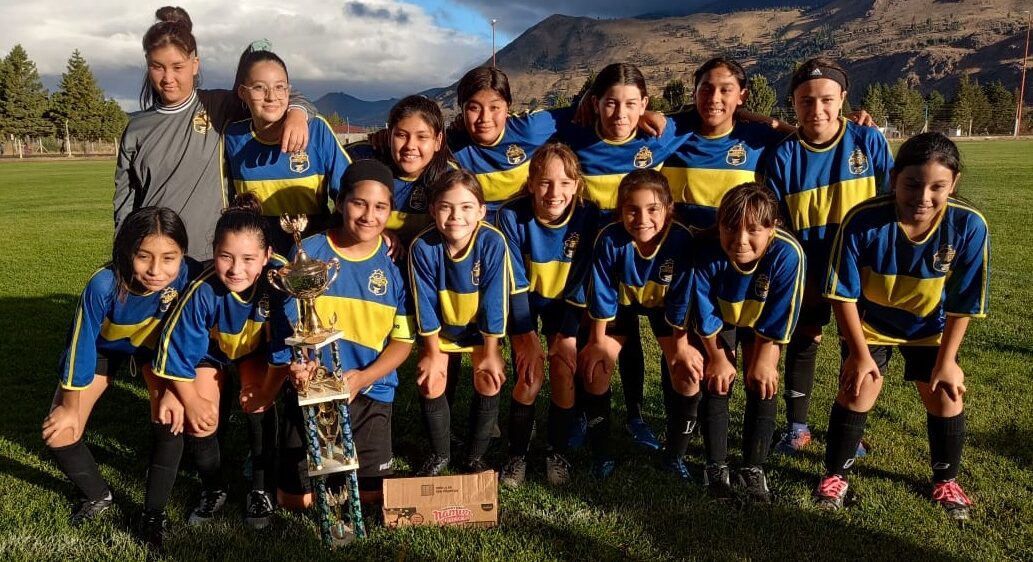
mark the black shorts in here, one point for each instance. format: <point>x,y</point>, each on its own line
<point>553,316</point>
<point>109,362</point>
<point>919,360</point>
<point>626,323</point>
<point>371,430</point>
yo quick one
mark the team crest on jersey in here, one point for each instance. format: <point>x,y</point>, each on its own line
<point>202,124</point>
<point>858,162</point>
<point>262,310</point>
<point>570,244</point>
<point>667,270</point>
<point>168,296</point>
<point>475,273</point>
<point>943,258</point>
<point>643,158</point>
<point>761,285</point>
<point>736,155</point>
<point>377,283</point>
<point>418,198</point>
<point>299,162</point>
<point>515,155</point>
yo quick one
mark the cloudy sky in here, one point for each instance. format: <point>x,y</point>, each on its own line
<point>372,49</point>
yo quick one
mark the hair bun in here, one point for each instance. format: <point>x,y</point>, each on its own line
<point>245,202</point>
<point>174,14</point>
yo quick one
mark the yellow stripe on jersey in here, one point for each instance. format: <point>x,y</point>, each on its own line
<point>503,185</point>
<point>366,323</point>
<point>304,195</point>
<point>246,341</point>
<point>743,314</point>
<point>404,328</point>
<point>709,186</point>
<point>602,190</point>
<point>548,279</point>
<point>920,297</point>
<point>74,346</point>
<point>145,332</point>
<point>649,296</point>
<point>874,337</point>
<point>458,309</point>
<point>828,204</point>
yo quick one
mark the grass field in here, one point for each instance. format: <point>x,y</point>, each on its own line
<point>55,228</point>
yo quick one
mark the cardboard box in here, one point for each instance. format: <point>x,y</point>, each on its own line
<point>468,500</point>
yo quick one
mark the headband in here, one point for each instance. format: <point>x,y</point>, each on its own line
<point>827,72</point>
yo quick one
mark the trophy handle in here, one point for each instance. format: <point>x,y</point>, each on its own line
<point>274,280</point>
<point>335,265</point>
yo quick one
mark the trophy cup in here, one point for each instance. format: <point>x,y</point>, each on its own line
<point>324,398</point>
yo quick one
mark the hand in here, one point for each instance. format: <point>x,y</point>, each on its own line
<point>530,357</point>
<point>493,368</point>
<point>763,378</point>
<point>652,123</point>
<point>687,364</point>
<point>599,356</point>
<point>60,419</point>
<point>719,374</point>
<point>349,380</point>
<point>432,366</point>
<point>863,118</point>
<point>856,370</point>
<point>202,416</point>
<point>301,372</point>
<point>949,378</point>
<point>564,350</point>
<point>171,412</point>
<point>584,114</point>
<point>295,131</point>
<point>395,248</point>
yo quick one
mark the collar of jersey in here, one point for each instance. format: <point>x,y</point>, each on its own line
<point>660,244</point>
<point>331,238</point>
<point>469,247</point>
<point>177,108</point>
<point>832,144</point>
<point>254,134</point>
<point>250,290</point>
<point>569,213</point>
<point>599,134</point>
<point>719,135</point>
<point>742,271</point>
<point>407,178</point>
<point>494,143</point>
<point>932,229</point>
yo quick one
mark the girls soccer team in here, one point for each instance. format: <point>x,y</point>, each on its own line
<point>904,269</point>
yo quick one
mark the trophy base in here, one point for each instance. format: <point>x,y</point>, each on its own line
<point>319,395</point>
<point>314,342</point>
<point>332,465</point>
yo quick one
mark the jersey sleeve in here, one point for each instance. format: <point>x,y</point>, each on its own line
<point>404,328</point>
<point>705,313</point>
<point>576,292</point>
<point>423,272</point>
<point>337,160</point>
<point>79,362</point>
<point>126,183</point>
<point>283,316</point>
<point>679,295</point>
<point>495,286</point>
<point>781,309</point>
<point>967,288</point>
<point>843,278</point>
<point>506,221</point>
<point>185,338</point>
<point>882,163</point>
<point>602,295</point>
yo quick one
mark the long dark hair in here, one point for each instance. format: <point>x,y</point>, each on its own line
<point>483,78</point>
<point>255,53</point>
<point>140,224</point>
<point>173,28</point>
<point>428,110</point>
<point>618,74</point>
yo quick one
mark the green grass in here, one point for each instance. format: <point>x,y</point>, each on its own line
<point>55,230</point>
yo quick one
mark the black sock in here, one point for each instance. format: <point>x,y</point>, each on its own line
<point>714,421</point>
<point>484,415</point>
<point>946,440</point>
<point>261,429</point>
<point>560,422</point>
<point>521,423</point>
<point>437,419</point>
<point>207,460</point>
<point>76,461</point>
<point>681,422</point>
<point>455,368</point>
<point>758,428</point>
<point>632,366</point>
<point>597,409</point>
<point>801,354</point>
<point>845,431</point>
<point>166,452</point>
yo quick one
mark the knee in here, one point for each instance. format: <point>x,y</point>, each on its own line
<point>484,385</point>
<point>293,502</point>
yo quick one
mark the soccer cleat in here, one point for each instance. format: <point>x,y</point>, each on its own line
<point>950,495</point>
<point>473,466</point>
<point>793,441</point>
<point>557,469</point>
<point>603,467</point>
<point>259,509</point>
<point>717,479</point>
<point>514,472</point>
<point>90,509</point>
<point>677,467</point>
<point>642,434</point>
<point>577,433</point>
<point>211,502</point>
<point>862,449</point>
<point>152,529</point>
<point>831,493</point>
<point>433,466</point>
<point>754,482</point>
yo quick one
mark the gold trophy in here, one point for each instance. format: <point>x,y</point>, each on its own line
<point>324,398</point>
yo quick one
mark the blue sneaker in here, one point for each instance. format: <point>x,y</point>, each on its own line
<point>642,434</point>
<point>793,441</point>
<point>676,467</point>
<point>862,449</point>
<point>578,432</point>
<point>603,467</point>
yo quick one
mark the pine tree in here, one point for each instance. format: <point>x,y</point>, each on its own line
<point>762,97</point>
<point>674,93</point>
<point>78,101</point>
<point>1002,108</point>
<point>23,100</point>
<point>936,107</point>
<point>969,107</point>
<point>905,106</point>
<point>113,120</point>
<point>873,103</point>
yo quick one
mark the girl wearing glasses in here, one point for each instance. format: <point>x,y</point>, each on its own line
<point>304,181</point>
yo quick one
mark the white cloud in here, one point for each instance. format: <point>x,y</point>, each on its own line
<point>368,48</point>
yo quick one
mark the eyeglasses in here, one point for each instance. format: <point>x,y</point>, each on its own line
<point>262,91</point>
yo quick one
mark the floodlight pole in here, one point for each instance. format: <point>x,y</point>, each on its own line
<point>1022,80</point>
<point>493,22</point>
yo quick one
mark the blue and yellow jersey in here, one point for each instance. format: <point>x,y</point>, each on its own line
<point>411,213</point>
<point>215,324</point>
<point>766,298</point>
<point>300,182</point>
<point>368,302</point>
<point>465,297</point>
<point>905,289</point>
<point>104,323</point>
<point>502,166</point>
<point>623,276</point>
<point>818,186</point>
<point>704,168</point>
<point>605,163</point>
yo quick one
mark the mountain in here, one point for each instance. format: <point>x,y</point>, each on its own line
<point>354,110</point>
